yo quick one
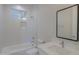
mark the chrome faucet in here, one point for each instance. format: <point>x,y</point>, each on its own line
<point>62,44</point>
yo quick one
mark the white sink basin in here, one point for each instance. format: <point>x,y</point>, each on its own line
<point>53,49</point>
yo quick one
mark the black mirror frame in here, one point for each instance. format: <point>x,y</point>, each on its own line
<point>77,22</point>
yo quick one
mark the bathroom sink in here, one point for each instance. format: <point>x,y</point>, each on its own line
<point>57,50</point>
<point>53,49</point>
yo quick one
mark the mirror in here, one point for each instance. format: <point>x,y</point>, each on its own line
<point>67,23</point>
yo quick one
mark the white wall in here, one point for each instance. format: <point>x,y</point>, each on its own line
<point>1,26</point>
<point>45,16</point>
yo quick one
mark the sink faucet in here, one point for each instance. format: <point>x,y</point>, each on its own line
<point>62,44</point>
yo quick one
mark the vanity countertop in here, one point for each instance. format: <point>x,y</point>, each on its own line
<point>54,49</point>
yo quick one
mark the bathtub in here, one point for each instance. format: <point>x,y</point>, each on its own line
<point>22,49</point>
<point>32,51</point>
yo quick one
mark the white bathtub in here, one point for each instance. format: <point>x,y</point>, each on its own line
<point>32,51</point>
<point>22,49</point>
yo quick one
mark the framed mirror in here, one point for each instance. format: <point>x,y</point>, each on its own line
<point>67,23</point>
